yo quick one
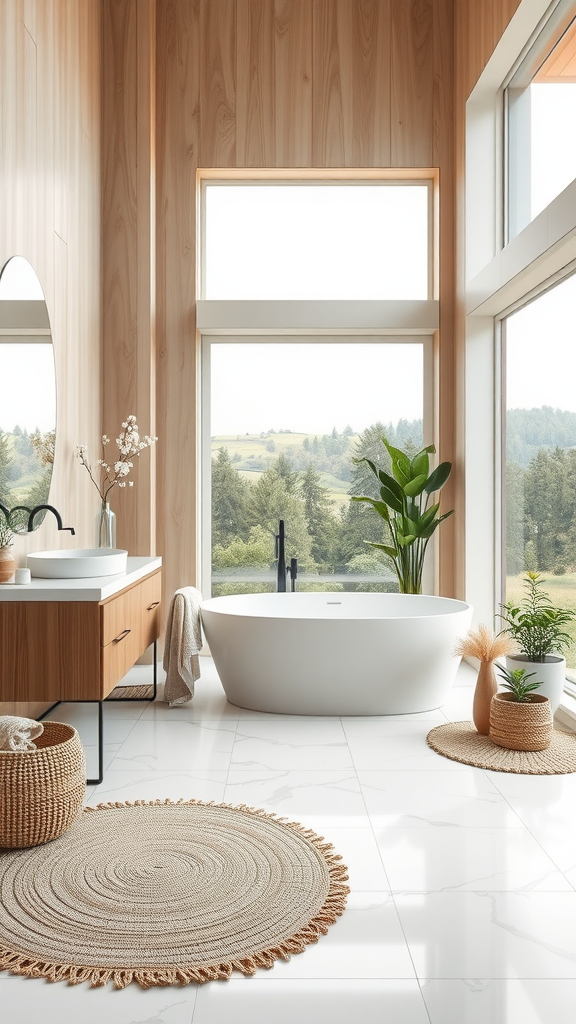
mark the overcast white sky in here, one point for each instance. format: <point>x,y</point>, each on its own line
<point>541,351</point>
<point>311,388</point>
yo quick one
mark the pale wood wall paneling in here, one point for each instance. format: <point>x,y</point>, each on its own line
<point>293,83</point>
<point>479,26</point>
<point>218,45</point>
<point>50,54</point>
<point>255,79</point>
<point>283,83</point>
<point>412,94</point>
<point>351,83</point>
<point>128,233</point>
<point>178,120</point>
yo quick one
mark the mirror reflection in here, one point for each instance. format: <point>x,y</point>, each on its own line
<point>27,394</point>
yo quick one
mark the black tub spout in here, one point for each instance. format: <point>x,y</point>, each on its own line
<point>281,556</point>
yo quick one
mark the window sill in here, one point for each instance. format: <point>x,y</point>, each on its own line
<point>566,713</point>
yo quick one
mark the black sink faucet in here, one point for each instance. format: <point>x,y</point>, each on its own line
<point>49,508</point>
<point>284,570</point>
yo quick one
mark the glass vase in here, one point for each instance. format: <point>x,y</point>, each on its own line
<point>105,527</point>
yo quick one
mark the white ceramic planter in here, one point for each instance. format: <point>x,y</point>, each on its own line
<point>551,672</point>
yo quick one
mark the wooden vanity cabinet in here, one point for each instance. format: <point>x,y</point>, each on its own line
<point>76,650</point>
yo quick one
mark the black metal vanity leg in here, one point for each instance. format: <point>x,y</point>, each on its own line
<point>96,782</point>
<point>155,689</point>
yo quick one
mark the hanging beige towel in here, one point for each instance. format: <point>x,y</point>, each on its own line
<point>183,645</point>
<point>19,733</point>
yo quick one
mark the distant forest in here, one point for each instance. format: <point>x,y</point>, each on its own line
<point>25,466</point>
<point>259,479</point>
<point>307,480</point>
<point>541,491</point>
<point>530,430</point>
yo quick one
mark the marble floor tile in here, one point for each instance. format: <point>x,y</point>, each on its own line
<point>177,745</point>
<point>127,786</point>
<point>395,746</point>
<point>319,799</point>
<point>35,1001</point>
<point>460,877</point>
<point>360,854</point>
<point>490,935</point>
<point>467,859</point>
<point>540,801</point>
<point>252,1001</point>
<point>500,1001</point>
<point>207,707</point>
<point>291,742</point>
<point>421,799</point>
<point>366,942</point>
<point>558,840</point>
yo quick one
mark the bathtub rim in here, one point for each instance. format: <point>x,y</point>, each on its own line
<point>210,605</point>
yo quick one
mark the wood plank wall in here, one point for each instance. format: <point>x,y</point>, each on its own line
<point>50,62</point>
<point>284,83</point>
<point>270,83</point>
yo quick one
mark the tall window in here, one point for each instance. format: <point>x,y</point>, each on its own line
<point>541,119</point>
<point>289,423</point>
<point>289,416</point>
<point>540,449</point>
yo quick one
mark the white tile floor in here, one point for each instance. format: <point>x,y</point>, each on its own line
<point>463,903</point>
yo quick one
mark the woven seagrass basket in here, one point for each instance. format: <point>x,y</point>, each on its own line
<point>521,726</point>
<point>42,790</point>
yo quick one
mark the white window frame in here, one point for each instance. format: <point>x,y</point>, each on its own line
<point>407,321</point>
<point>548,32</point>
<point>210,339</point>
<point>326,176</point>
<point>500,278</point>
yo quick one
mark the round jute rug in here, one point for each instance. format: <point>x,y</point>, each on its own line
<point>167,893</point>
<point>461,742</point>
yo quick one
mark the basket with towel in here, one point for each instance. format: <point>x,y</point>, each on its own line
<point>42,780</point>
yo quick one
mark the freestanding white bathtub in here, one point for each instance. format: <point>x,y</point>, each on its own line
<point>335,653</point>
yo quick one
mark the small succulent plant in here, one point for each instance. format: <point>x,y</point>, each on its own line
<point>516,682</point>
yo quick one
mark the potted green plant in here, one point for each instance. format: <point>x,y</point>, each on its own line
<point>7,563</point>
<point>538,627</point>
<point>404,505</point>
<point>519,718</point>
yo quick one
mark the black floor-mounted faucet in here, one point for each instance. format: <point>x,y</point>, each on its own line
<point>49,508</point>
<point>284,570</point>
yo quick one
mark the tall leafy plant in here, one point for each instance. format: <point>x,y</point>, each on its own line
<point>404,505</point>
<point>537,626</point>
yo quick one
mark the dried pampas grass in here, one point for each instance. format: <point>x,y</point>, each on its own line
<point>482,644</point>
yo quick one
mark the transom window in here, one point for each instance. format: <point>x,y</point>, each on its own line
<point>317,240</point>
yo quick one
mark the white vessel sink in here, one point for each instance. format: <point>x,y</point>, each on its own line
<point>77,563</point>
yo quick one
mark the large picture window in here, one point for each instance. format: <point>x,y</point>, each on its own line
<point>539,343</point>
<point>289,423</point>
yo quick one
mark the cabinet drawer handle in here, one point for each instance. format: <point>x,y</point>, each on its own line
<point>153,605</point>
<point>121,636</point>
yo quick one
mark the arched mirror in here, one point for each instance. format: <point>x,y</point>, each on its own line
<point>27,393</point>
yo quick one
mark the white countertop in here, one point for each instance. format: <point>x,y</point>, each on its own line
<point>97,588</point>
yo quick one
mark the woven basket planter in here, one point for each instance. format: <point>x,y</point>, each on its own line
<point>42,790</point>
<point>521,726</point>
